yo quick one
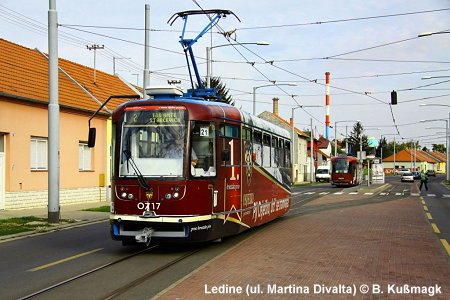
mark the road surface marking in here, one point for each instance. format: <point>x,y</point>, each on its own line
<point>435,228</point>
<point>415,194</point>
<point>338,193</point>
<point>398,194</point>
<point>425,208</point>
<point>429,216</point>
<point>383,194</point>
<point>310,193</point>
<point>324,193</point>
<point>64,260</point>
<point>431,195</point>
<point>368,193</point>
<point>446,196</point>
<point>353,193</point>
<point>446,246</point>
<point>423,202</point>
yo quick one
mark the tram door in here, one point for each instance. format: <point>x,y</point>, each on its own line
<point>229,178</point>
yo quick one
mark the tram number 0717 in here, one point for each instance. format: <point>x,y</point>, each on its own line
<point>148,206</point>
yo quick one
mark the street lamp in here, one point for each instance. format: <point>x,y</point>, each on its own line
<point>381,152</point>
<point>423,34</point>
<point>294,138</point>
<point>209,57</point>
<point>266,85</point>
<point>335,133</point>
<point>434,77</point>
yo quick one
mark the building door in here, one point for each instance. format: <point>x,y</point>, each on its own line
<point>2,171</point>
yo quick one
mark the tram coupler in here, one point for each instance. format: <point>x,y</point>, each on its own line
<point>145,236</point>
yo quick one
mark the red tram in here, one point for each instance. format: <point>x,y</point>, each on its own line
<point>345,171</point>
<point>192,170</point>
<point>188,168</point>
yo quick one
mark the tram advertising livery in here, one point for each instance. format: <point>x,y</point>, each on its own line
<point>188,168</point>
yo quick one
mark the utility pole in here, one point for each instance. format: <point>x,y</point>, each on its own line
<point>114,62</point>
<point>95,47</point>
<point>146,81</point>
<point>53,115</point>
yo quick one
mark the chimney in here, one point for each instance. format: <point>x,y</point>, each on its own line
<point>275,105</point>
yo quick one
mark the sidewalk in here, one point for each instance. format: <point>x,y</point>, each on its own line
<point>372,250</point>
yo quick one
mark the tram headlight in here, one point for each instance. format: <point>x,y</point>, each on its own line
<point>176,195</point>
<point>130,196</point>
<point>168,196</point>
<point>123,195</point>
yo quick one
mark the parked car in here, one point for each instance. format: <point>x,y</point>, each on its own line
<point>431,173</point>
<point>416,175</point>
<point>401,171</point>
<point>407,176</point>
<point>323,174</point>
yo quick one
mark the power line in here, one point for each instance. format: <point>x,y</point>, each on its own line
<point>343,20</point>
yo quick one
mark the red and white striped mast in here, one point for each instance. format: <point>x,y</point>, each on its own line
<point>327,105</point>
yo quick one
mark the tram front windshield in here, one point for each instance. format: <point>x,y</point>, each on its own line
<point>153,142</point>
<point>341,165</point>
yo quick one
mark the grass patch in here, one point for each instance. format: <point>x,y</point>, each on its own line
<point>23,224</point>
<point>105,208</point>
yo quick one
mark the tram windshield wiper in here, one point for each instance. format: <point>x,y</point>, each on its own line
<point>141,180</point>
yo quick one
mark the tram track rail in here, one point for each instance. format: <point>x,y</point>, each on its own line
<point>124,287</point>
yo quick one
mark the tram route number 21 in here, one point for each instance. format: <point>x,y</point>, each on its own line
<point>148,205</point>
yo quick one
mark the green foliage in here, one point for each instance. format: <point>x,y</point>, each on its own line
<point>105,208</point>
<point>222,90</point>
<point>355,138</point>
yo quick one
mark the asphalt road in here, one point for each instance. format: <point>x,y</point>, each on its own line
<point>30,264</point>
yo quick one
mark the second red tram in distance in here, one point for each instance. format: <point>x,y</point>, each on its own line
<point>345,171</point>
<point>186,169</point>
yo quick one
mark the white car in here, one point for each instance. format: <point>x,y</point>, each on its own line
<point>407,176</point>
<point>401,171</point>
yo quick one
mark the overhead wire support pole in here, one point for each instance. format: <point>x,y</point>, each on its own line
<point>53,116</point>
<point>146,80</point>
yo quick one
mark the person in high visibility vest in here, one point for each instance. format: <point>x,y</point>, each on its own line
<point>423,180</point>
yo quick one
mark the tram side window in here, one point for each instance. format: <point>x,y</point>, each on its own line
<point>275,152</point>
<point>203,149</point>
<point>257,146</point>
<point>287,154</point>
<point>247,134</point>
<point>266,150</point>
<point>280,153</point>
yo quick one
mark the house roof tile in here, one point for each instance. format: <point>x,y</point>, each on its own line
<point>24,74</point>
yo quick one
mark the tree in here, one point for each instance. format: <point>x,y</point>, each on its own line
<point>222,90</point>
<point>355,139</point>
<point>439,148</point>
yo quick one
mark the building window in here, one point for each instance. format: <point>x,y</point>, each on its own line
<point>85,157</point>
<point>38,153</point>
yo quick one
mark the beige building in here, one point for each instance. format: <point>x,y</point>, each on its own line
<point>301,158</point>
<point>84,172</point>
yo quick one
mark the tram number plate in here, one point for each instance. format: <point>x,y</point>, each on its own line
<point>148,206</point>
<point>204,131</point>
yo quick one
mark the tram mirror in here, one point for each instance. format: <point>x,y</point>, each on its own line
<point>91,139</point>
<point>225,154</point>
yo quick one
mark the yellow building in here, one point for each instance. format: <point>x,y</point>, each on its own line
<point>24,128</point>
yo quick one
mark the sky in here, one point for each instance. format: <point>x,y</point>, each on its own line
<point>369,47</point>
